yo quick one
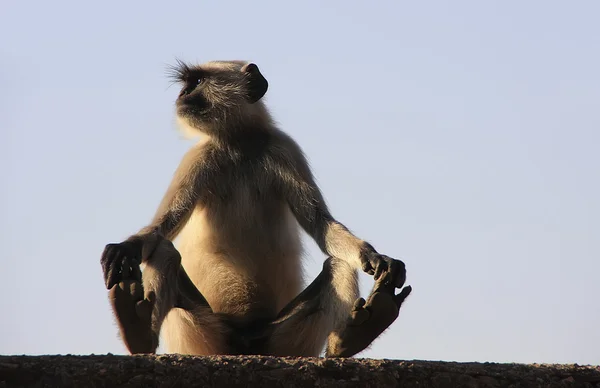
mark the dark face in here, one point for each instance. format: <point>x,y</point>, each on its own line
<point>217,92</point>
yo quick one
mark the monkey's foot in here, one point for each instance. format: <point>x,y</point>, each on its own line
<point>367,321</point>
<point>134,316</point>
<point>372,317</point>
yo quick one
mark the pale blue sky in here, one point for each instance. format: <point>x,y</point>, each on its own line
<point>462,137</point>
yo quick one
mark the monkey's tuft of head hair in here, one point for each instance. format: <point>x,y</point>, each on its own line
<point>220,98</point>
<point>179,72</point>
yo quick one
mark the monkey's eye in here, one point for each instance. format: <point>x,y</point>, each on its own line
<point>199,80</point>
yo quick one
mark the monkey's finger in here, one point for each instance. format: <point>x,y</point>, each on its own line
<point>112,276</point>
<point>136,272</point>
<point>386,283</point>
<point>131,270</point>
<point>111,268</point>
<point>380,268</point>
<point>367,267</point>
<point>392,279</point>
<point>399,299</point>
<point>107,253</point>
<point>106,262</point>
<point>136,290</point>
<point>400,279</point>
<point>395,276</point>
<point>125,268</point>
<point>105,276</point>
<point>359,304</point>
<point>400,274</point>
<point>118,266</point>
<point>151,297</point>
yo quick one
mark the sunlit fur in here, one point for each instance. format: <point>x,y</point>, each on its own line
<point>237,204</point>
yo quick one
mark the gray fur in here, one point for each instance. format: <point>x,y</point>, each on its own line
<point>238,202</point>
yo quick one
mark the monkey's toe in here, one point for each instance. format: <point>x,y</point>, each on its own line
<point>134,316</point>
<point>359,313</point>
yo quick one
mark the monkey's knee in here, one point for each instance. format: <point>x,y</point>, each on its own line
<point>161,274</point>
<point>309,301</point>
<point>162,253</point>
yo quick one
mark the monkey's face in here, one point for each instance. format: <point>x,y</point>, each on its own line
<point>218,95</point>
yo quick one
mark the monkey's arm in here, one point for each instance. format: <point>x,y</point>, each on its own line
<point>178,202</point>
<point>173,211</point>
<point>308,205</point>
<point>367,319</point>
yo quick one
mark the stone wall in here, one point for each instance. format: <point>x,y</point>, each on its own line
<point>178,371</point>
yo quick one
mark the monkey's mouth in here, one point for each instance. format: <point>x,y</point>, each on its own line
<point>194,105</point>
<point>195,100</point>
<point>192,112</point>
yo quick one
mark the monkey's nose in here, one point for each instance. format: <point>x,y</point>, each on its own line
<point>186,90</point>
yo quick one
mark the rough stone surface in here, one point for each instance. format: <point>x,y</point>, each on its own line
<point>231,371</point>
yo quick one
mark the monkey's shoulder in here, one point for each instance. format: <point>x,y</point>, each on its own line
<point>250,155</point>
<point>255,167</point>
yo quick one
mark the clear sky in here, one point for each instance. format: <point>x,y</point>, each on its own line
<point>461,137</point>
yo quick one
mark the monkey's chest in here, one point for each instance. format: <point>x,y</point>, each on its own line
<point>250,221</point>
<point>238,183</point>
<point>243,252</point>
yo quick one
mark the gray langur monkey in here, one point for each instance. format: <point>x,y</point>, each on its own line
<point>238,202</point>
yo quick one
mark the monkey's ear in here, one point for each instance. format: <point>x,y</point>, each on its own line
<point>257,84</point>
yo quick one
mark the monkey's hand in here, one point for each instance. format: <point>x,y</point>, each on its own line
<point>385,270</point>
<point>122,262</point>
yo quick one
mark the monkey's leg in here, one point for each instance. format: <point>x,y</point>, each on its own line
<point>193,327</point>
<point>141,301</point>
<point>329,310</point>
<point>302,327</point>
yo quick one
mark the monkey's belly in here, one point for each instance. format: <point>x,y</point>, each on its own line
<point>248,276</point>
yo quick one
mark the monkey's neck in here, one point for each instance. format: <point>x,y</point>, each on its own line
<point>242,133</point>
<point>247,142</point>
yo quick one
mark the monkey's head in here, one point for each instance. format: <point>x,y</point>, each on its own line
<point>220,97</point>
